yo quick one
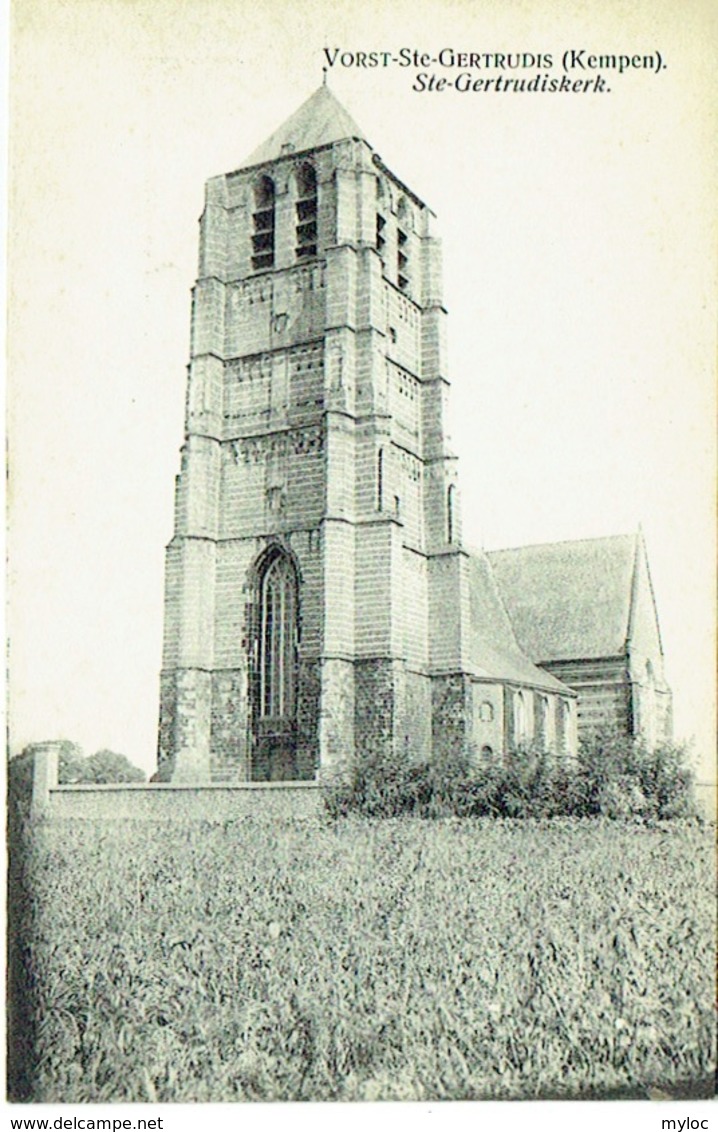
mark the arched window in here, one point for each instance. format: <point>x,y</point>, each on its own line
<point>521,718</point>
<point>541,721</point>
<point>487,754</point>
<point>263,221</point>
<point>380,479</point>
<point>562,722</point>
<point>450,513</point>
<point>277,639</point>
<point>306,206</point>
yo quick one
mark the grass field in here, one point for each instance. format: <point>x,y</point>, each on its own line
<point>394,959</point>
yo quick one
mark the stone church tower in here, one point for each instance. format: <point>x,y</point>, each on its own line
<point>318,597</point>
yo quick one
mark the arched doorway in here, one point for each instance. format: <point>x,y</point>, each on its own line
<point>274,708</point>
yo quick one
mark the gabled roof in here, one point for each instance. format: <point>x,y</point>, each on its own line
<point>569,600</point>
<point>318,121</point>
<point>494,649</point>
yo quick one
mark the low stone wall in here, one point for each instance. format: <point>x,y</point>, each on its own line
<point>211,802</point>
<point>165,801</point>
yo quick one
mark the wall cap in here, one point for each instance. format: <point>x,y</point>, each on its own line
<point>135,787</point>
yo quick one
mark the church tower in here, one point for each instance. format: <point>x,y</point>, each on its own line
<point>317,592</point>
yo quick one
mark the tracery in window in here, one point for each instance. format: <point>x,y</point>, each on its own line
<point>263,224</point>
<point>277,639</point>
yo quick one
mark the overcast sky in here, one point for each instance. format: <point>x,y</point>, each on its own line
<point>579,275</point>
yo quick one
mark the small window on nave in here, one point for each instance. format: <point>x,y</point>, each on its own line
<point>521,718</point>
<point>542,712</point>
<point>562,726</point>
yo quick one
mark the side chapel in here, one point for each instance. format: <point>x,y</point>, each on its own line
<point>319,599</point>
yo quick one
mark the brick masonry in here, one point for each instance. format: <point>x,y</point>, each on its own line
<point>451,715</point>
<point>315,430</point>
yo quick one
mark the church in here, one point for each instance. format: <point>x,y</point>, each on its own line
<point>320,603</point>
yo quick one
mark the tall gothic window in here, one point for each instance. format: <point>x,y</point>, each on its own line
<point>306,212</point>
<point>263,222</point>
<point>277,639</point>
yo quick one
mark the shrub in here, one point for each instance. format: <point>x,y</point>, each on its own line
<point>388,787</point>
<point>621,776</point>
<point>668,781</point>
<point>614,776</point>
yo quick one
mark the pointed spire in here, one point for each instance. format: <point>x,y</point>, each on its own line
<point>319,121</point>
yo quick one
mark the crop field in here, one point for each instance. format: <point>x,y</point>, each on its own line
<point>362,960</point>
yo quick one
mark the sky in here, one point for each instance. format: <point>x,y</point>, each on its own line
<point>579,275</point>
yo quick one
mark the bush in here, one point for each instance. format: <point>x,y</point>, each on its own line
<point>377,787</point>
<point>614,776</point>
<point>622,777</point>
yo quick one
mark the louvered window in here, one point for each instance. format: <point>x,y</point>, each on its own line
<point>306,210</point>
<point>263,224</point>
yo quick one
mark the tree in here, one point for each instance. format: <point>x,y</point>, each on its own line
<point>73,768</point>
<point>108,766</point>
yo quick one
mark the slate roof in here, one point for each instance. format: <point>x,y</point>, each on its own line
<point>494,649</point>
<point>318,121</point>
<point>569,600</point>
